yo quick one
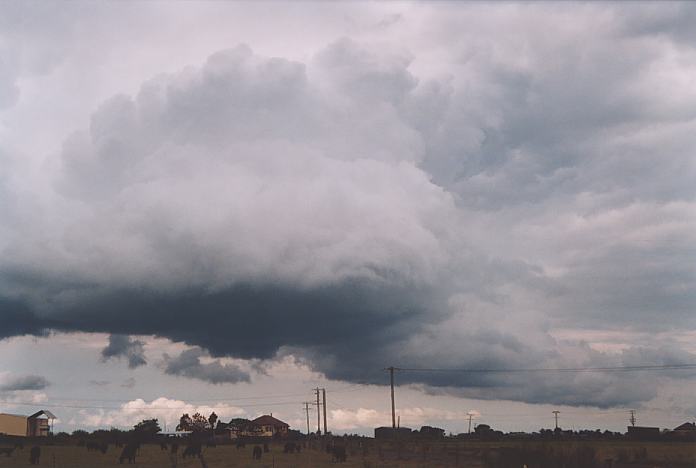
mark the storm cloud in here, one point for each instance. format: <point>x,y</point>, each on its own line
<point>188,364</point>
<point>125,347</point>
<point>452,202</point>
<point>25,382</point>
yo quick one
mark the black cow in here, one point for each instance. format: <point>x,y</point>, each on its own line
<point>193,450</point>
<point>163,446</point>
<point>339,453</point>
<point>7,451</point>
<point>265,448</point>
<point>240,445</point>
<point>34,455</point>
<point>290,447</point>
<point>128,453</point>
<point>175,448</point>
<point>256,454</point>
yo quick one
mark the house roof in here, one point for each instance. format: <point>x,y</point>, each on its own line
<point>46,413</point>
<point>687,426</point>
<point>267,420</point>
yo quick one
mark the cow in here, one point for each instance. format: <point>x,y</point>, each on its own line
<point>265,448</point>
<point>290,447</point>
<point>240,445</point>
<point>256,454</point>
<point>174,449</point>
<point>211,444</point>
<point>7,451</point>
<point>34,455</point>
<point>19,445</point>
<point>192,450</point>
<point>339,454</point>
<point>128,453</point>
<point>163,446</point>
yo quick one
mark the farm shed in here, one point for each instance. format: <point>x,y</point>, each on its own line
<point>36,425</point>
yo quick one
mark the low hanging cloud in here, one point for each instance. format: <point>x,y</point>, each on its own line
<point>121,346</point>
<point>23,383</point>
<point>356,213</point>
<point>189,364</point>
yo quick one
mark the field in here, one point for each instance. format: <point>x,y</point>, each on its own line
<point>368,453</point>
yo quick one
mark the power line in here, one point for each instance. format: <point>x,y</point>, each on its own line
<point>558,369</point>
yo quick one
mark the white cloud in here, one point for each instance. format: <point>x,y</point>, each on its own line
<point>165,410</point>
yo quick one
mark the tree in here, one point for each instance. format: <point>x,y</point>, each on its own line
<point>212,419</point>
<point>199,423</point>
<point>185,423</point>
<point>147,427</point>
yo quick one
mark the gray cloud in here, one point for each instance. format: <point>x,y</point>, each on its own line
<point>121,346</point>
<point>25,382</point>
<point>358,207</point>
<point>188,364</point>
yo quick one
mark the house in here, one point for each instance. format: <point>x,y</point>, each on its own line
<point>687,427</point>
<point>686,431</point>
<point>36,425</point>
<point>263,426</point>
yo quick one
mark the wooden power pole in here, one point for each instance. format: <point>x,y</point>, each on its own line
<point>323,398</point>
<point>307,410</point>
<point>316,390</point>
<point>393,408</point>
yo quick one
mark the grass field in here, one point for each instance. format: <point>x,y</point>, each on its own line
<point>380,455</point>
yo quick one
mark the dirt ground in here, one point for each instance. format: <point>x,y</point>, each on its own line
<point>371,454</point>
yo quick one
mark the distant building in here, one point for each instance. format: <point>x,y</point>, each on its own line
<point>686,431</point>
<point>643,433</point>
<point>175,434</point>
<point>263,426</point>
<point>392,432</point>
<point>687,427</point>
<point>36,425</point>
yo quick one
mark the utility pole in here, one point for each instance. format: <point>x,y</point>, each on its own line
<point>391,380</point>
<point>323,397</point>
<point>633,418</point>
<point>556,413</point>
<point>316,390</point>
<point>470,414</point>
<point>307,410</point>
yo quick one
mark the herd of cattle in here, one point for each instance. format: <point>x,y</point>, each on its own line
<point>34,452</point>
<point>193,448</point>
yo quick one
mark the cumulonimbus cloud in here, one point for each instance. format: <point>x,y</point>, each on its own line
<point>347,211</point>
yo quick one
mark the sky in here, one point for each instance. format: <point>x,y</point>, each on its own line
<point>222,205</point>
